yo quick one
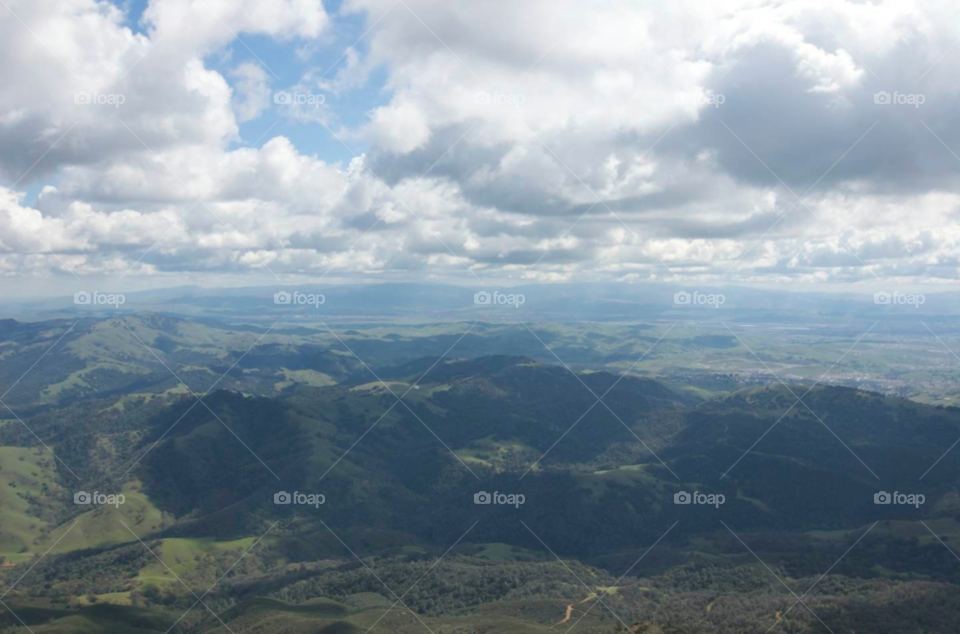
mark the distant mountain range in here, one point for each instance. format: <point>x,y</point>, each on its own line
<point>601,302</point>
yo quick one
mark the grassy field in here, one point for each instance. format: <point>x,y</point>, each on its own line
<point>506,552</point>
<point>104,525</point>
<point>24,473</point>
<point>320,616</point>
<point>302,377</point>
<point>493,453</point>
<point>95,619</point>
<point>329,617</point>
<point>76,380</point>
<point>184,556</point>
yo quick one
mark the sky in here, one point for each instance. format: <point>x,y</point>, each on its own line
<point>239,142</point>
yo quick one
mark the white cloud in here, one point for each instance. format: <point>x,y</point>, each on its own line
<point>400,127</point>
<point>565,141</point>
<point>251,91</point>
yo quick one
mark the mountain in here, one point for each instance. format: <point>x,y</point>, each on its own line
<point>391,303</point>
<point>400,446</point>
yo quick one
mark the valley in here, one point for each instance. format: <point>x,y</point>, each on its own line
<point>417,437</point>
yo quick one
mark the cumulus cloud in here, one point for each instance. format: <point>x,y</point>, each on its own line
<point>735,141</point>
<point>251,91</point>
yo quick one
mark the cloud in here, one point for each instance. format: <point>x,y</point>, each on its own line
<point>251,91</point>
<point>729,141</point>
<point>81,88</point>
<point>399,128</point>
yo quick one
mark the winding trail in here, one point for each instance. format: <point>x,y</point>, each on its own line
<point>566,618</point>
<point>569,614</point>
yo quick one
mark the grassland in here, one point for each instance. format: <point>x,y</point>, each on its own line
<point>184,556</point>
<point>104,525</point>
<point>495,453</point>
<point>302,377</point>
<point>24,474</point>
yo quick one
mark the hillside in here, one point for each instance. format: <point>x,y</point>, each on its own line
<point>598,481</point>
